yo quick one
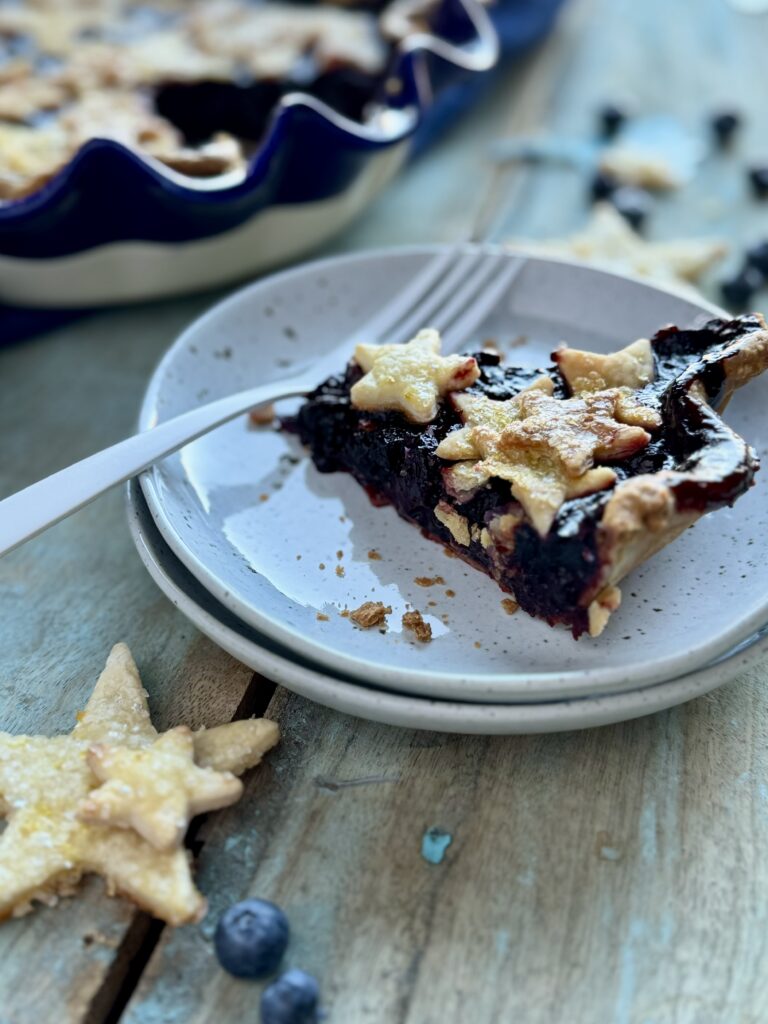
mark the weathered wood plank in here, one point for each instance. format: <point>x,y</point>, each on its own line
<point>593,876</point>
<point>64,600</point>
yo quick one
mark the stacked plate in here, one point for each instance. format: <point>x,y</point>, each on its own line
<point>263,553</point>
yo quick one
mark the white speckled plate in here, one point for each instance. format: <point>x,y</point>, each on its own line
<point>264,656</point>
<point>286,548</point>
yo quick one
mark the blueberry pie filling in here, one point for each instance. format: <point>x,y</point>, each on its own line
<point>558,481</point>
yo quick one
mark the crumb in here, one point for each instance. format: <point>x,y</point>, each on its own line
<point>103,940</point>
<point>518,342</point>
<point>509,605</point>
<point>342,519</point>
<point>298,558</point>
<point>344,613</point>
<point>321,617</point>
<point>450,593</point>
<point>374,555</point>
<point>322,565</point>
<point>429,581</point>
<point>372,613</point>
<point>263,497</point>
<point>339,555</point>
<point>421,629</point>
<point>432,604</point>
<point>262,416</point>
<point>450,553</point>
<point>478,644</point>
<point>339,571</point>
<point>492,346</point>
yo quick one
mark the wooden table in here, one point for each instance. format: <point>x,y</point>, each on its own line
<point>614,876</point>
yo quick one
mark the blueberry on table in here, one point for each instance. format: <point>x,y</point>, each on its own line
<point>758,179</point>
<point>725,124</point>
<point>757,256</point>
<point>292,999</point>
<point>251,938</point>
<point>610,119</point>
<point>737,291</point>
<point>603,186</point>
<point>634,205</point>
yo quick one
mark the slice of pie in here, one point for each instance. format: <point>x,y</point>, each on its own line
<point>558,481</point>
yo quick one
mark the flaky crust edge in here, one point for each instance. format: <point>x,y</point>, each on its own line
<point>644,515</point>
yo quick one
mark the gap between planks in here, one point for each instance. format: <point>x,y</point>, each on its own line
<point>144,933</point>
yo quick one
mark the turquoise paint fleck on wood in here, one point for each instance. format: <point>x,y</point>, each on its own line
<point>434,843</point>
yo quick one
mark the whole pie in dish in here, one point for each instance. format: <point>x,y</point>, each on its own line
<point>188,83</point>
<point>557,481</point>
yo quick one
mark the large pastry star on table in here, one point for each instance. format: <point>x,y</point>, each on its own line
<point>156,790</point>
<point>410,378</point>
<point>546,447</point>
<point>46,847</point>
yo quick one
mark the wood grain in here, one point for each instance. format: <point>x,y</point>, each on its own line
<point>607,875</point>
<point>65,598</point>
<point>614,876</point>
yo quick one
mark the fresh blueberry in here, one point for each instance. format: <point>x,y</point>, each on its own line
<point>757,257</point>
<point>292,999</point>
<point>758,179</point>
<point>725,124</point>
<point>737,291</point>
<point>603,186</point>
<point>610,119</point>
<point>634,205</point>
<point>251,938</point>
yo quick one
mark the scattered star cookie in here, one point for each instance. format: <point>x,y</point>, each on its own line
<point>608,241</point>
<point>410,378</point>
<point>156,790</point>
<point>47,782</point>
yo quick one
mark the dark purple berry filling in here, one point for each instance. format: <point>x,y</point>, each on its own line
<point>394,459</point>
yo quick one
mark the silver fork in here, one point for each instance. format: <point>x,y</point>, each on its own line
<point>454,292</point>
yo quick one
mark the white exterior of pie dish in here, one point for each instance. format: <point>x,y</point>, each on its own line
<point>273,562</point>
<point>406,710</point>
<point>137,270</point>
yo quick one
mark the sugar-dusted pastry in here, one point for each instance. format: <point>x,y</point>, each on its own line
<point>65,821</point>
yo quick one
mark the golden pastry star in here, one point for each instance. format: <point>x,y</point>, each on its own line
<point>410,378</point>
<point>546,447</point>
<point>45,848</point>
<point>632,367</point>
<point>608,241</point>
<point>156,790</point>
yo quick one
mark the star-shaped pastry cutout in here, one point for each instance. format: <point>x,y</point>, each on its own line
<point>608,241</point>
<point>545,447</point>
<point>631,367</point>
<point>410,378</point>
<point>156,790</point>
<point>45,847</point>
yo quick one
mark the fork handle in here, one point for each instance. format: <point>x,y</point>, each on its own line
<point>25,514</point>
